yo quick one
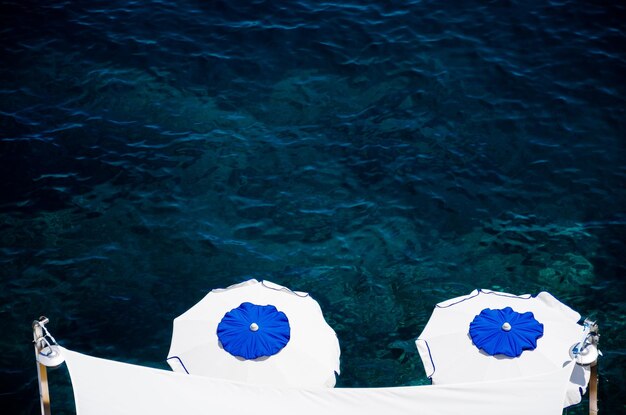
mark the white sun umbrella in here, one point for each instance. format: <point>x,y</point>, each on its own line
<point>476,337</point>
<point>268,334</point>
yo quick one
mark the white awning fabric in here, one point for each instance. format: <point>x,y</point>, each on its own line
<point>105,387</point>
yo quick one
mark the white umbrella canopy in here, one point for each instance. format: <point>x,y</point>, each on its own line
<point>450,355</point>
<point>310,357</point>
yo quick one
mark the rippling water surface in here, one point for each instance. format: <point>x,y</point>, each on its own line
<point>382,157</point>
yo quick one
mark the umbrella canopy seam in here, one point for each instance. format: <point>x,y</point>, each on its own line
<point>483,291</point>
<point>180,361</point>
<point>299,294</point>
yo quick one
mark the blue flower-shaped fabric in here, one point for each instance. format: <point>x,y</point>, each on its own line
<point>505,331</point>
<point>251,331</point>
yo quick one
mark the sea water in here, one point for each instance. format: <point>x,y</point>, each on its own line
<point>383,156</point>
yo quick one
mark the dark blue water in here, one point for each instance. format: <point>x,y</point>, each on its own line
<point>383,157</point>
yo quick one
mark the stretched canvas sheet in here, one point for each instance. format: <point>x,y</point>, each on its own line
<point>105,387</point>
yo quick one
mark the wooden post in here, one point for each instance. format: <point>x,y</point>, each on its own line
<point>593,389</point>
<point>42,373</point>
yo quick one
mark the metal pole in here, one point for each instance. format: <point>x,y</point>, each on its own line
<point>42,373</point>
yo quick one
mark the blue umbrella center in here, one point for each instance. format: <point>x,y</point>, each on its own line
<point>505,331</point>
<point>251,331</point>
